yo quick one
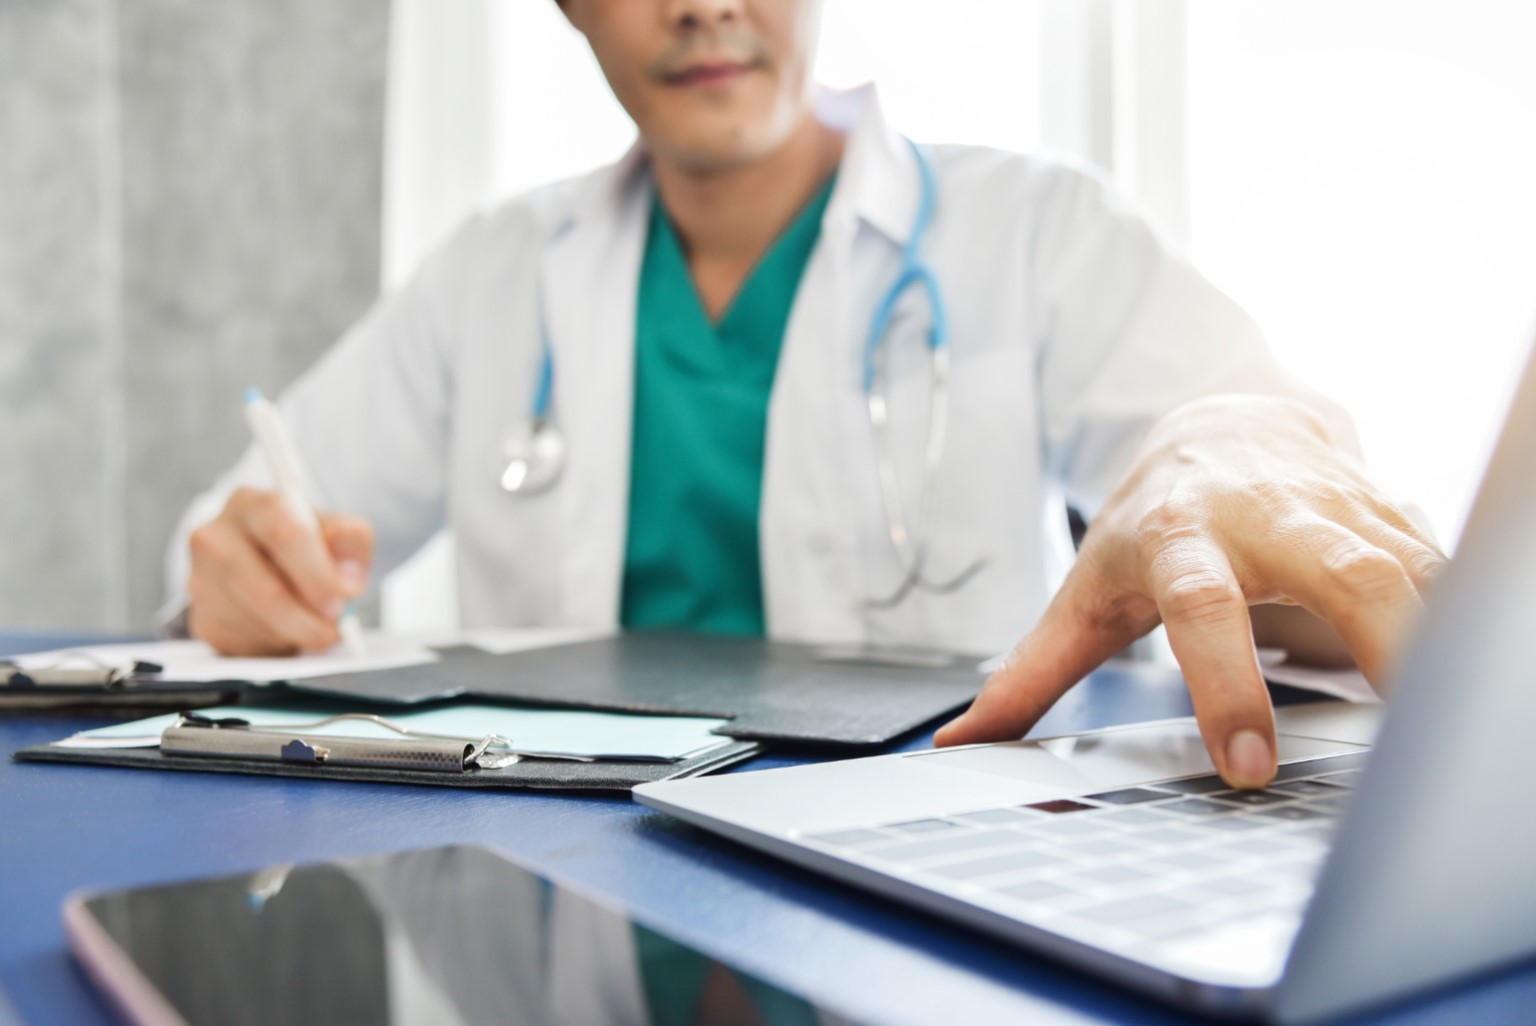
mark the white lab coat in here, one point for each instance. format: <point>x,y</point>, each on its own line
<point>1073,329</point>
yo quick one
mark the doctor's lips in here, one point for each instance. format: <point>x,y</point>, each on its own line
<point>710,72</point>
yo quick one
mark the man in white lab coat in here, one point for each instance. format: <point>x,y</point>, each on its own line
<point>702,311</point>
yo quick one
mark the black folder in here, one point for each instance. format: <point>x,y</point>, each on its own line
<point>770,691</point>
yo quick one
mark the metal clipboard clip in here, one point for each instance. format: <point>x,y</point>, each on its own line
<point>235,738</point>
<point>76,670</point>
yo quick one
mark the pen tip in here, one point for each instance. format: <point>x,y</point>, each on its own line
<point>252,395</point>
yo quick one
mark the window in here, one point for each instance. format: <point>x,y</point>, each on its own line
<point>1360,177</point>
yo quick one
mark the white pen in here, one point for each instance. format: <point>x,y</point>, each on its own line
<point>272,435</point>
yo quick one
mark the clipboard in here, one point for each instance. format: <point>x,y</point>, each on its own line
<point>199,744</point>
<point>86,684</point>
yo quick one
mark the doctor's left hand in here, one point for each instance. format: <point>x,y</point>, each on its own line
<point>1233,501</point>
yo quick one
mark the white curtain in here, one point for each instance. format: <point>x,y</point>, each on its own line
<point>440,165</point>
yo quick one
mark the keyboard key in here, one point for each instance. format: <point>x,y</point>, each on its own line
<point>1200,807</point>
<point>1349,779</point>
<point>1195,785</point>
<point>1168,836</point>
<point>1129,796</point>
<point>1307,787</point>
<point>849,838</point>
<point>1236,886</point>
<point>1172,925</point>
<point>1114,875</point>
<point>1321,832</point>
<point>1253,797</point>
<point>1035,890</point>
<point>1100,846</point>
<point>1008,815</point>
<point>1127,909</point>
<point>1234,824</point>
<point>1133,818</point>
<point>1317,767</point>
<point>909,851</point>
<point>1077,826</point>
<point>1304,870</point>
<point>997,865</point>
<point>1294,813</point>
<point>1332,804</point>
<point>1060,805</point>
<point>1185,860</point>
<point>1263,844</point>
<point>924,826</point>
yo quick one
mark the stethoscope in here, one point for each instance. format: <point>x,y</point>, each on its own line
<point>535,451</point>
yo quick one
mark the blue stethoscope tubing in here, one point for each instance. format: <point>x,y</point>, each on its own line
<point>909,537</point>
<point>535,452</point>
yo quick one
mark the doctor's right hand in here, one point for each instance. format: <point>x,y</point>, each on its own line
<point>264,583</point>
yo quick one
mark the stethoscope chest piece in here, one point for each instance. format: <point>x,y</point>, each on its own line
<point>531,458</point>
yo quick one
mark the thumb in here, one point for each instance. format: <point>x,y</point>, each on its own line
<point>350,540</point>
<point>1061,650</point>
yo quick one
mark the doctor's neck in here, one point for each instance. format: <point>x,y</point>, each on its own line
<point>727,217</point>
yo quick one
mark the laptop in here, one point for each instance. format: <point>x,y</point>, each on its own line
<point>1396,849</point>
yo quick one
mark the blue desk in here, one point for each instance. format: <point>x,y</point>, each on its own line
<point>69,827</point>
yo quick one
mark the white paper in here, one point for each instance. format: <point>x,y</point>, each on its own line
<point>501,640</point>
<point>194,662</point>
<point>1349,685</point>
<point>532,731</point>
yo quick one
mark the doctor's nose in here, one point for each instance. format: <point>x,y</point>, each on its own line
<point>703,14</point>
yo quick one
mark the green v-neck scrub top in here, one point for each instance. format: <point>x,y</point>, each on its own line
<point>691,560</point>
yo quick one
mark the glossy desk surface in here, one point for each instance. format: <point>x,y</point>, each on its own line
<point>64,828</point>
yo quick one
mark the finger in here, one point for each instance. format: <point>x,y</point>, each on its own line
<point>1078,632</point>
<point>231,635</point>
<point>1421,561</point>
<point>294,548</point>
<point>1398,518</point>
<point>1360,588</point>
<point>232,574</point>
<point>350,541</point>
<point>1206,616</point>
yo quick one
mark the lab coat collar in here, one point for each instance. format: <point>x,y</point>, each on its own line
<point>877,182</point>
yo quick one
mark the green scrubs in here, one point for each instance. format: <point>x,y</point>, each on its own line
<point>701,417</point>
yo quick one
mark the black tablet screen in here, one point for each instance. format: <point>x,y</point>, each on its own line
<point>443,936</point>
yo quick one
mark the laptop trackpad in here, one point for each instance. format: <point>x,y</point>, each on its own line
<point>1084,763</point>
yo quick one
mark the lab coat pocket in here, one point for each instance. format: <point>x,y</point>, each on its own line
<point>510,547</point>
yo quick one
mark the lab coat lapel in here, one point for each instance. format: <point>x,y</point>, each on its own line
<point>819,474</point>
<point>590,274</point>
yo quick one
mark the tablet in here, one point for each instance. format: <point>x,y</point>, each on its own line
<point>446,936</point>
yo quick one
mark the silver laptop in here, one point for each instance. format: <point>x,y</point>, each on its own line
<point>1396,849</point>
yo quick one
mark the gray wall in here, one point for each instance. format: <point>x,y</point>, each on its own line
<point>190,203</point>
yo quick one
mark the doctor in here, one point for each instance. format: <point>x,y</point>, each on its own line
<point>780,371</point>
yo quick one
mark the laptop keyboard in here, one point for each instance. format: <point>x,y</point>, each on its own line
<point>1142,864</point>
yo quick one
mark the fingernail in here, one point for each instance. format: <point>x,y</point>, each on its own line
<point>943,734</point>
<point>1250,762</point>
<point>353,578</point>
